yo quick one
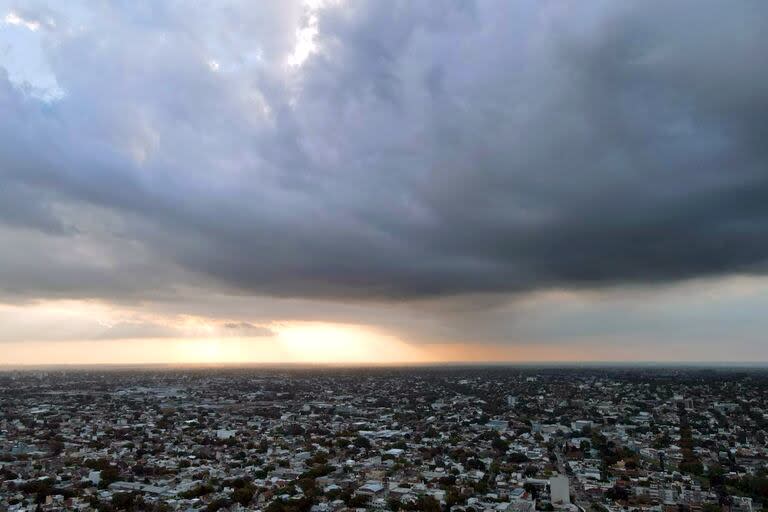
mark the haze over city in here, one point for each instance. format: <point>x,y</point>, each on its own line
<point>383,182</point>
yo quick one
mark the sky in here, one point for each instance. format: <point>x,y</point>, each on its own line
<point>331,181</point>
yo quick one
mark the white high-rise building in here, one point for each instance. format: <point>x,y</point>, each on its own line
<point>559,489</point>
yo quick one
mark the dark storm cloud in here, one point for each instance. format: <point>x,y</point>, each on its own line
<point>424,150</point>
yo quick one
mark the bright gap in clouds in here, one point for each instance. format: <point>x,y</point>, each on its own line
<point>22,56</point>
<point>306,33</point>
<point>72,332</point>
<point>14,19</point>
<point>315,342</point>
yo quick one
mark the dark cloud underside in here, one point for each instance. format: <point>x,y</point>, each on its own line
<point>423,150</point>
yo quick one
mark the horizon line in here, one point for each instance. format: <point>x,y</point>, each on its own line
<point>362,365</point>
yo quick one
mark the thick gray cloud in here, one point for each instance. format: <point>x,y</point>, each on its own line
<point>423,150</point>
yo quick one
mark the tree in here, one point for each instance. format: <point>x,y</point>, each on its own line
<point>429,504</point>
<point>531,489</point>
<point>108,475</point>
<point>712,507</point>
<point>517,457</point>
<point>358,501</point>
<point>617,493</point>
<point>123,500</point>
<point>362,442</point>
<point>243,495</point>
<point>218,504</point>
<point>500,445</point>
<point>307,485</point>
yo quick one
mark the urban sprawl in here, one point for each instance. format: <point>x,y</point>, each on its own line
<point>501,439</point>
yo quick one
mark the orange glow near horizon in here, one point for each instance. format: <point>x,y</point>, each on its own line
<point>303,344</point>
<point>333,343</point>
<point>88,332</point>
<point>298,342</point>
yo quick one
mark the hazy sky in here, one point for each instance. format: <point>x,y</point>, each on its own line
<point>383,181</point>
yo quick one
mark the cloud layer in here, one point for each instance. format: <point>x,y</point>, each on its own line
<point>419,151</point>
